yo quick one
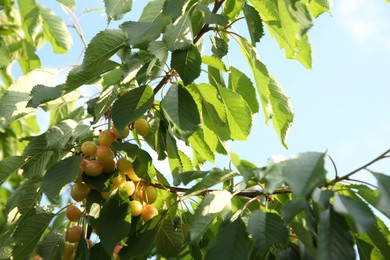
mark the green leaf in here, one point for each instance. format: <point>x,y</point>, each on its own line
<point>219,46</point>
<point>111,232</point>
<point>58,136</point>
<point>104,102</point>
<point>41,94</point>
<point>55,31</point>
<point>31,18</point>
<point>318,7</point>
<point>200,146</point>
<point>231,242</point>
<point>214,177</point>
<point>238,114</point>
<point>282,110</point>
<point>132,106</point>
<point>9,165</point>
<point>254,23</point>
<point>51,246</point>
<point>101,182</point>
<point>25,197</point>
<point>169,238</point>
<point>241,84</point>
<point>13,102</point>
<point>260,74</point>
<point>288,23</point>
<point>174,8</point>
<point>211,205</point>
<point>380,236</point>
<point>384,193</point>
<point>143,166</point>
<point>97,252</point>
<point>28,233</point>
<point>179,36</point>
<point>152,11</point>
<point>82,250</point>
<point>29,59</point>
<point>115,9</point>
<point>361,214</point>
<point>292,208</point>
<point>60,174</point>
<point>187,63</point>
<point>233,8</point>
<point>181,110</point>
<point>142,242</point>
<point>214,62</point>
<point>130,149</point>
<point>84,75</point>
<point>4,54</point>
<point>96,59</point>
<point>267,230</point>
<point>187,177</point>
<point>304,172</point>
<point>71,4</point>
<point>213,18</point>
<point>334,239</point>
<point>141,33</point>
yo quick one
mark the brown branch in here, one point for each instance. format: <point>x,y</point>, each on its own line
<point>207,27</point>
<point>166,79</point>
<point>248,193</point>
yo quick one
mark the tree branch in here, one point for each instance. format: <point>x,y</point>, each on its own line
<point>346,177</point>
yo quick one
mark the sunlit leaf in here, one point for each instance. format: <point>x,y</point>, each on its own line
<point>31,18</point>
<point>117,8</point>
<point>240,83</point>
<point>211,205</point>
<point>96,59</point>
<point>141,33</point>
<point>41,94</point>
<point>179,36</point>
<point>254,23</point>
<point>55,31</point>
<point>13,102</point>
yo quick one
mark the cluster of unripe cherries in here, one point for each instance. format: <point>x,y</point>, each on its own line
<point>98,160</point>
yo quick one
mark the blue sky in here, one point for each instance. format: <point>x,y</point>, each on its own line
<point>342,105</point>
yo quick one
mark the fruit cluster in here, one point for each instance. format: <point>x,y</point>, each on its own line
<point>100,159</point>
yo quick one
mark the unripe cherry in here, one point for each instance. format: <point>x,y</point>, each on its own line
<point>73,234</point>
<point>79,191</point>
<point>119,135</point>
<point>88,148</point>
<point>136,208</point>
<point>73,213</point>
<point>129,187</point>
<point>148,212</point>
<point>150,194</point>
<point>107,137</point>
<point>94,168</point>
<point>104,154</point>
<point>142,127</point>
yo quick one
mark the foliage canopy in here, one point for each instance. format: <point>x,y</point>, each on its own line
<point>171,68</point>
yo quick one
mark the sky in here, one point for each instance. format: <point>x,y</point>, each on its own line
<point>341,105</point>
